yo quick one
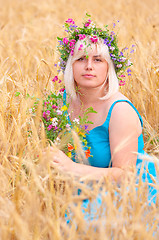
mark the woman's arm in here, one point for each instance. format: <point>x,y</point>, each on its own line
<point>124,130</point>
<point>66,165</point>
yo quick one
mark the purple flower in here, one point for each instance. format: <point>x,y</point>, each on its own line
<point>129,72</point>
<point>106,40</point>
<point>85,127</point>
<point>61,43</point>
<point>125,49</point>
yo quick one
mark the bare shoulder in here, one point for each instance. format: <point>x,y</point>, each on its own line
<point>124,116</point>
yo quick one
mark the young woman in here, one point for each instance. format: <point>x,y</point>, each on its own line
<point>92,65</point>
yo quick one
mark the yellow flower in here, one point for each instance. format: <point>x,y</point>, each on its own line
<point>83,134</point>
<point>77,129</point>
<point>75,146</point>
<point>64,108</point>
<point>69,154</point>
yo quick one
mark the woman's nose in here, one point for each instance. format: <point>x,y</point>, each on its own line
<point>89,64</point>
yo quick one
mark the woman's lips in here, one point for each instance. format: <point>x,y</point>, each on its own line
<point>88,75</point>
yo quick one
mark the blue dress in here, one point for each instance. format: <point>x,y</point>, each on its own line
<point>98,140</point>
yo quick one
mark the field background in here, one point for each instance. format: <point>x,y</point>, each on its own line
<point>34,198</point>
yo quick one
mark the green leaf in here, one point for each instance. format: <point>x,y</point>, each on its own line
<point>17,94</point>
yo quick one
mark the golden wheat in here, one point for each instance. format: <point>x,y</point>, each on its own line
<point>34,197</point>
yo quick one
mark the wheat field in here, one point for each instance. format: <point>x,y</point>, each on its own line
<point>34,198</point>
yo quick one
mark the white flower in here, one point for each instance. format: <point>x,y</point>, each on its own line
<point>122,59</point>
<point>128,63</point>
<point>57,141</point>
<point>91,25</point>
<point>112,48</point>
<point>59,112</point>
<point>54,122</point>
<point>119,65</point>
<point>30,110</point>
<point>68,126</point>
<point>76,120</point>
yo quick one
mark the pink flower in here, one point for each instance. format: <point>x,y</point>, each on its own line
<point>44,115</point>
<point>59,81</point>
<point>121,82</point>
<point>122,75</point>
<point>81,36</point>
<point>80,47</point>
<point>49,127</point>
<point>55,128</point>
<point>94,39</point>
<point>45,103</point>
<point>62,90</point>
<point>87,23</point>
<point>72,52</point>
<point>48,112</point>
<point>55,79</point>
<point>70,20</point>
<point>54,106</point>
<point>72,43</point>
<point>65,40</point>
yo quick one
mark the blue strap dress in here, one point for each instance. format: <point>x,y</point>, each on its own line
<point>98,140</point>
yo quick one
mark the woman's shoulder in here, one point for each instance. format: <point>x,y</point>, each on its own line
<point>123,112</point>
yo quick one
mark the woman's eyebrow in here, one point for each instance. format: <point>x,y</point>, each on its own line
<point>97,55</point>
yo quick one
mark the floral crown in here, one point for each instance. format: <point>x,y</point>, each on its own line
<point>66,45</point>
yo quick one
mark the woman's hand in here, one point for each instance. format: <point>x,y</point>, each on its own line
<point>59,160</point>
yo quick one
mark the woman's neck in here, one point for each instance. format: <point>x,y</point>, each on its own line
<point>91,96</point>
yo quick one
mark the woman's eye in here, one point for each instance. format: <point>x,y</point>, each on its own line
<point>80,59</point>
<point>98,60</point>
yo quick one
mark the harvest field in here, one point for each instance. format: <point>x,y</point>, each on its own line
<point>34,197</point>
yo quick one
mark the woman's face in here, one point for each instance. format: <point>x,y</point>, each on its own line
<point>90,72</point>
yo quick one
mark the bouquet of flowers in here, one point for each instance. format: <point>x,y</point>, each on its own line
<point>58,124</point>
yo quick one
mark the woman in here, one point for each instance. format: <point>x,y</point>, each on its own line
<point>92,65</point>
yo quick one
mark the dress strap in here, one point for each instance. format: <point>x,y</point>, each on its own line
<point>64,97</point>
<point>122,100</point>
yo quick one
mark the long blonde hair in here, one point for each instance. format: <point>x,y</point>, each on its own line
<point>102,49</point>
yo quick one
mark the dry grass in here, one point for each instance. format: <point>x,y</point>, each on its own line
<point>34,197</point>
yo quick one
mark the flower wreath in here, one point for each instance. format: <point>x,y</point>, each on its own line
<point>66,45</point>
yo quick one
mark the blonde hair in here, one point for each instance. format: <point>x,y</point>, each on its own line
<point>102,49</point>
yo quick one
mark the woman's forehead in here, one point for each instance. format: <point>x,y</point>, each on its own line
<point>93,51</point>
